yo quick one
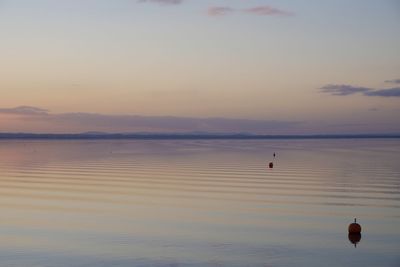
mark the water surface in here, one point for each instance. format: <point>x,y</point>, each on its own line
<point>199,203</point>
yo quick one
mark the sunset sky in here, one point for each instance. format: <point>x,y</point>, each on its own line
<point>260,66</point>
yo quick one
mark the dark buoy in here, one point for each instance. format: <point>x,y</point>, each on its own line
<point>354,238</point>
<point>355,228</point>
<point>271,165</point>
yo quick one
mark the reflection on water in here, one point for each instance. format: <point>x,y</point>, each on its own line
<point>199,203</point>
<point>355,238</point>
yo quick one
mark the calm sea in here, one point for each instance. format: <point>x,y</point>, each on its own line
<point>199,203</point>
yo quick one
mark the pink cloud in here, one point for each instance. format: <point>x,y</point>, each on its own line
<point>219,11</point>
<point>267,11</point>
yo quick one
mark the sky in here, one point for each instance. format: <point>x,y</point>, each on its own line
<point>257,66</point>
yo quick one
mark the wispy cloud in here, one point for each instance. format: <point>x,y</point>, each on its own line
<point>215,11</point>
<point>395,81</point>
<point>267,11</point>
<point>163,2</point>
<point>335,89</point>
<point>24,110</point>
<point>219,11</point>
<point>344,90</point>
<point>258,10</point>
<point>390,92</point>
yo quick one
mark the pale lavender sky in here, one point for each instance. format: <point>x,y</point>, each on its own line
<point>279,67</point>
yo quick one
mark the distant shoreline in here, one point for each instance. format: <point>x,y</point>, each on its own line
<point>188,136</point>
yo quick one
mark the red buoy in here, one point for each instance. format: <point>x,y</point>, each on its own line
<point>354,228</point>
<point>271,165</point>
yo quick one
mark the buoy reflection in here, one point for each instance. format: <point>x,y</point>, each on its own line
<point>354,238</point>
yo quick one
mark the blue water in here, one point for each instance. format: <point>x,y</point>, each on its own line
<point>199,203</point>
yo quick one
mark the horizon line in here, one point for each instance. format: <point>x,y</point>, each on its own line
<point>185,136</point>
